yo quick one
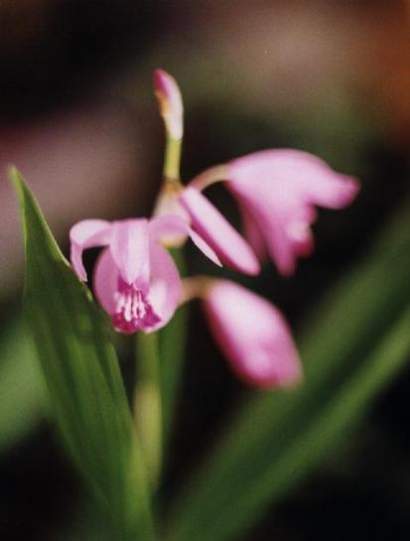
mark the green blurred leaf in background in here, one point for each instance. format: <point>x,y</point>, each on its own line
<point>357,342</point>
<point>22,390</point>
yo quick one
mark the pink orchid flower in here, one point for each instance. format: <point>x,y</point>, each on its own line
<point>135,278</point>
<point>253,335</point>
<point>277,191</point>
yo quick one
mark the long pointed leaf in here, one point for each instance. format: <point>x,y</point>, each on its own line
<point>82,376</point>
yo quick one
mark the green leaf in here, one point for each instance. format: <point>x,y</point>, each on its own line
<point>83,379</point>
<point>357,342</point>
<point>22,391</point>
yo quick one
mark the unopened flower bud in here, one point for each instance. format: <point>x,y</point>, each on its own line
<point>170,103</point>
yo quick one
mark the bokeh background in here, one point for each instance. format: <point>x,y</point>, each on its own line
<point>78,118</point>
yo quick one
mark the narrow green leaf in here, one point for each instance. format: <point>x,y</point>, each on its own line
<point>82,376</point>
<point>233,488</point>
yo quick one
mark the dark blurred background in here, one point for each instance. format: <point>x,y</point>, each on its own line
<point>78,117</point>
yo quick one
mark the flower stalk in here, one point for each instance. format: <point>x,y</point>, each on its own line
<point>148,404</point>
<point>214,174</point>
<point>148,398</point>
<point>172,161</point>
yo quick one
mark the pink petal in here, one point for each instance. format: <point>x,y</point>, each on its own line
<point>164,227</point>
<point>165,286</point>
<point>337,193</point>
<point>253,234</point>
<point>130,250</point>
<point>253,335</point>
<point>105,284</point>
<point>167,203</point>
<point>287,238</point>
<point>212,227</point>
<point>87,234</point>
<point>204,247</point>
<point>277,222</point>
<point>307,176</point>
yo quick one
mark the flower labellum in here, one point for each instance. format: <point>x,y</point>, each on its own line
<point>253,335</point>
<point>135,279</point>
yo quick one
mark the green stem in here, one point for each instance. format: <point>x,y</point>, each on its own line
<point>172,159</point>
<point>172,344</point>
<point>148,404</point>
<point>160,363</point>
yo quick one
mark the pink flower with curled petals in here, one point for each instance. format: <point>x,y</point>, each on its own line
<point>277,191</point>
<point>253,335</point>
<point>135,279</point>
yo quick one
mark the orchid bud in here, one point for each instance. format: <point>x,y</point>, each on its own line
<point>170,103</point>
<point>253,335</point>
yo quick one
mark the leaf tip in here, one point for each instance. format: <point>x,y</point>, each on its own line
<point>15,178</point>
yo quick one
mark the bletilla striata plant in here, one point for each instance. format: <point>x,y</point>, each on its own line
<point>139,286</point>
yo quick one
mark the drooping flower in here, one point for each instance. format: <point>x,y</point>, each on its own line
<point>253,335</point>
<point>277,191</point>
<point>135,278</point>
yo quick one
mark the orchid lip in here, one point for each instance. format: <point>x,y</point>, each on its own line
<point>133,312</point>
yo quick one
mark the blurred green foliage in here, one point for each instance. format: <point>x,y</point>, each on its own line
<point>356,343</point>
<point>23,395</point>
